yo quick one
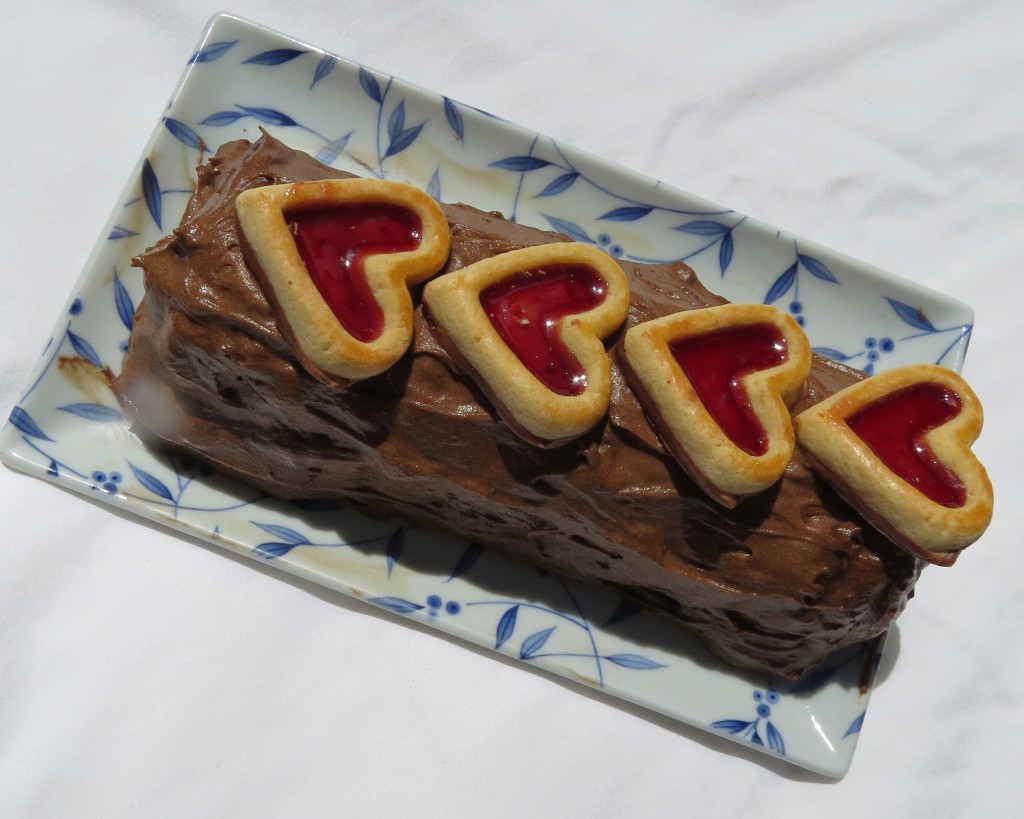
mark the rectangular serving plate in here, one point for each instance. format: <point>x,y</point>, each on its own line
<point>242,77</point>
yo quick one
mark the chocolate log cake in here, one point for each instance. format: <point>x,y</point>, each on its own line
<point>775,584</point>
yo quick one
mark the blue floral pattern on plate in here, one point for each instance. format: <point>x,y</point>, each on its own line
<point>67,427</point>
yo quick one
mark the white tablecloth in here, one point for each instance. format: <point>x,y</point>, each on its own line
<point>145,674</point>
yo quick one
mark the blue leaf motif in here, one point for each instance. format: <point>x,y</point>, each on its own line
<point>817,268</point>
<point>914,316</point>
<point>855,726</point>
<point>733,726</point>
<point>466,560</point>
<point>123,301</point>
<point>451,113</point>
<point>623,611</point>
<point>332,150</point>
<point>775,739</point>
<point>781,285</point>
<point>634,661</point>
<point>369,84</point>
<point>84,349</point>
<point>626,214</point>
<point>570,229</point>
<point>151,483</point>
<point>562,183</point>
<point>702,227</point>
<point>287,534</point>
<point>487,114</point>
<point>222,118</point>
<point>272,550</point>
<point>22,421</point>
<point>434,186</point>
<point>270,116</point>
<point>118,232</point>
<point>506,625</point>
<point>394,548</point>
<point>151,192</point>
<point>534,643</point>
<point>323,68</point>
<point>396,122</point>
<point>52,469</point>
<point>725,252</point>
<point>520,164</point>
<point>93,412</point>
<point>830,352</point>
<point>277,56</point>
<point>396,604</point>
<point>403,140</point>
<point>211,52</point>
<point>755,738</point>
<point>180,131</point>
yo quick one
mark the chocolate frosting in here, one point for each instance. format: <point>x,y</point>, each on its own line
<point>775,585</point>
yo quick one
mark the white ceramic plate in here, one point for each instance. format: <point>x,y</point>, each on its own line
<point>67,428</point>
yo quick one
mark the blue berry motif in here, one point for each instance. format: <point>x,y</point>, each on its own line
<point>750,729</point>
<point>435,605</point>
<point>107,482</point>
<point>613,249</point>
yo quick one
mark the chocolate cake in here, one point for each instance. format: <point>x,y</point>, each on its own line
<point>775,584</point>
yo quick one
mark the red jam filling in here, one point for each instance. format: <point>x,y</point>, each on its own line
<point>334,241</point>
<point>894,427</point>
<point>525,310</point>
<point>716,363</point>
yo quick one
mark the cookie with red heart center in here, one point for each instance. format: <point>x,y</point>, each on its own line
<point>717,384</point>
<point>896,446</point>
<point>528,327</point>
<point>336,258</point>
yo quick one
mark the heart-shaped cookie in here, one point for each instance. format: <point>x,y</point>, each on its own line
<point>896,446</point>
<point>717,383</point>
<point>336,258</point>
<point>528,326</point>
